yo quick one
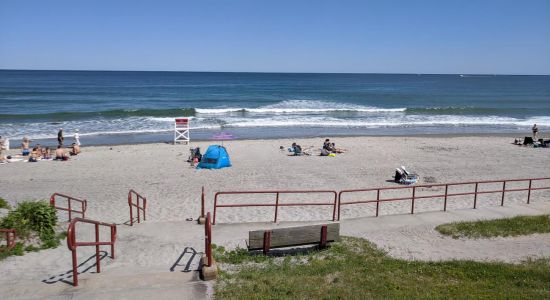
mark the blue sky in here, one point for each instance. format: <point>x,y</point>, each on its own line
<point>500,37</point>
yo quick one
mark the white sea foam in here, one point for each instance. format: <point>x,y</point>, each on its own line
<point>271,116</point>
<point>300,106</point>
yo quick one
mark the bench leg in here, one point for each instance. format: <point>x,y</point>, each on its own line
<point>323,242</point>
<point>267,241</point>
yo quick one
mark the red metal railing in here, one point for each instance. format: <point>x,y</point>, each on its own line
<point>137,205</point>
<point>277,204</point>
<point>208,240</point>
<point>72,244</point>
<point>202,203</point>
<point>10,238</point>
<point>414,196</point>
<point>70,206</point>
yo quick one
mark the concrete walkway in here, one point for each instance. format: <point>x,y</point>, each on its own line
<point>161,259</point>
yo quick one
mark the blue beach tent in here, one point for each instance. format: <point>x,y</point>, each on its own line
<point>216,157</point>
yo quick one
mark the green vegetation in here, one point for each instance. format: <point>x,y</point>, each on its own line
<point>17,250</point>
<point>355,269</point>
<point>35,224</point>
<point>521,225</point>
<point>4,203</point>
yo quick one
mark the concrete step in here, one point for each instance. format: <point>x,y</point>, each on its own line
<point>154,285</point>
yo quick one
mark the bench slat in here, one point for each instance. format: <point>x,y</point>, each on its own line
<point>293,236</point>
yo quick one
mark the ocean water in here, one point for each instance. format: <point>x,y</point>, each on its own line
<point>118,107</point>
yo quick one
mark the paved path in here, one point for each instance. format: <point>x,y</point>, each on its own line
<point>160,259</point>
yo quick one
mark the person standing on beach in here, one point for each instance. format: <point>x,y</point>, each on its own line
<point>60,137</point>
<point>1,149</point>
<point>25,146</point>
<point>77,138</point>
<point>535,132</point>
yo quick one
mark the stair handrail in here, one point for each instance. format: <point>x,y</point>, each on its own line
<point>72,244</point>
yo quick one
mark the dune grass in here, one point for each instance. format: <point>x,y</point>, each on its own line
<point>356,269</point>
<point>521,225</point>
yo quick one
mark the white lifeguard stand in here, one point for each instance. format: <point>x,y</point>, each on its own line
<point>181,130</point>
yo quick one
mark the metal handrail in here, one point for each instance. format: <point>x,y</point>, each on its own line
<point>277,204</point>
<point>137,206</point>
<point>69,208</point>
<point>414,197</point>
<point>72,244</point>
<point>10,238</point>
<point>208,240</point>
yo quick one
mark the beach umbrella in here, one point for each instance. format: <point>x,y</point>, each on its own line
<point>222,136</point>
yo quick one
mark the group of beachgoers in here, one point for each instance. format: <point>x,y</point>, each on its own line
<point>39,152</point>
<point>328,149</point>
<point>534,141</point>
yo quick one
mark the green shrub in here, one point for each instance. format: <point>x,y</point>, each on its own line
<point>4,203</point>
<point>17,250</point>
<point>33,217</point>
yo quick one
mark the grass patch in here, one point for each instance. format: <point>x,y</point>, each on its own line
<point>35,224</point>
<point>355,269</point>
<point>521,225</point>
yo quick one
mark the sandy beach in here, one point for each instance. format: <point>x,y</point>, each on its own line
<point>103,175</point>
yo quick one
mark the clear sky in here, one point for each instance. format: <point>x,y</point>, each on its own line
<point>439,36</point>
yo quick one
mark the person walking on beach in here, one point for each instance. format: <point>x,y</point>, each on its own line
<point>77,138</point>
<point>60,137</point>
<point>535,132</point>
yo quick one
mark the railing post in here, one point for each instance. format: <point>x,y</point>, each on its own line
<point>144,207</point>
<point>276,206</point>
<point>339,204</point>
<point>202,203</point>
<point>130,205</point>
<point>413,195</point>
<point>73,242</point>
<point>529,191</point>
<point>84,206</point>
<point>97,260</point>
<point>208,240</point>
<point>113,238</point>
<point>377,201</point>
<point>445,201</point>
<point>503,190</point>
<point>267,241</point>
<point>70,209</point>
<point>335,204</point>
<point>137,208</point>
<point>475,197</point>
<point>323,242</point>
<point>215,204</point>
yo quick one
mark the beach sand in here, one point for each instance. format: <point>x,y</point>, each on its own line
<point>103,175</point>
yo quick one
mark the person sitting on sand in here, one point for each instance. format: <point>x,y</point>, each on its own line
<point>331,148</point>
<point>336,150</point>
<point>35,155</point>
<point>60,153</point>
<point>25,146</point>
<point>327,145</point>
<point>39,150</point>
<point>75,149</point>
<point>295,149</point>
<point>47,153</point>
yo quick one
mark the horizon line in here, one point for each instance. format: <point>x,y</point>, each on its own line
<point>277,72</point>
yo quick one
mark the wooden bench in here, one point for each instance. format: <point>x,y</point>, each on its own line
<point>293,236</point>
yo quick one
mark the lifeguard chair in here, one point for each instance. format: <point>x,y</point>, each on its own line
<point>181,130</point>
